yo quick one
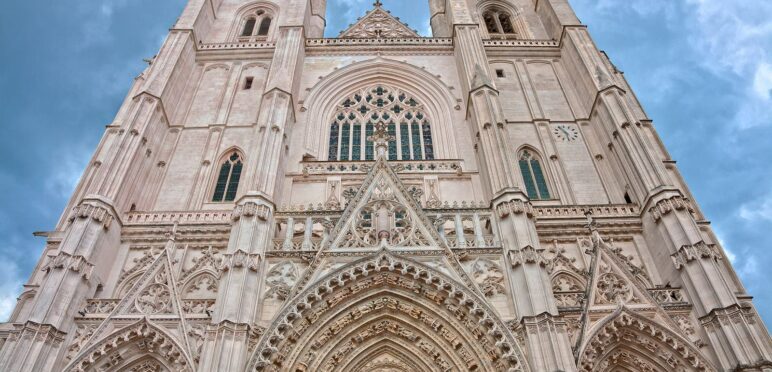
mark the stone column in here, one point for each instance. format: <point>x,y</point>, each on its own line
<point>233,328</point>
<point>549,348</point>
<point>739,339</point>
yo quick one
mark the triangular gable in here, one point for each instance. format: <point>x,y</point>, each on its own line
<point>154,295</point>
<point>614,284</point>
<point>378,23</point>
<point>383,213</point>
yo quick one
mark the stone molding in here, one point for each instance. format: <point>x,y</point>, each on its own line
<point>66,261</point>
<point>665,206</point>
<point>240,259</point>
<point>527,255</point>
<point>690,252</point>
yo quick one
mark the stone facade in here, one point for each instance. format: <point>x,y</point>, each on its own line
<point>493,198</point>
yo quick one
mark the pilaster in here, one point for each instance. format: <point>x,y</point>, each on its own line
<point>233,322</point>
<point>70,277</point>
<point>549,346</point>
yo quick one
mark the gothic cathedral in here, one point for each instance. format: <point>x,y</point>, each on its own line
<point>492,198</point>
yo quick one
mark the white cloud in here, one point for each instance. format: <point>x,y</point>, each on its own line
<point>757,210</point>
<point>762,81</point>
<point>10,285</point>
<point>66,174</point>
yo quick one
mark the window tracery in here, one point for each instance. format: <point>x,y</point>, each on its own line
<point>255,24</point>
<point>228,178</point>
<point>499,22</point>
<point>533,176</point>
<point>356,116</point>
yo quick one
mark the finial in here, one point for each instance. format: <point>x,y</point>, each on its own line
<point>381,139</point>
<point>377,3</point>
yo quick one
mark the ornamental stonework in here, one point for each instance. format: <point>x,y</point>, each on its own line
<point>271,199</point>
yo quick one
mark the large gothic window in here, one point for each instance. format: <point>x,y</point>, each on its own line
<point>498,22</point>
<point>228,178</point>
<point>533,176</point>
<point>356,116</point>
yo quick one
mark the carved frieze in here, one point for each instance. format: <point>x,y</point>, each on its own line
<point>691,252</point>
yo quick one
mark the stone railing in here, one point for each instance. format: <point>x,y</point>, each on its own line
<point>399,166</point>
<point>99,307</point>
<point>380,41</point>
<point>198,306</point>
<point>297,244</point>
<point>519,42</point>
<point>569,301</point>
<point>238,45</point>
<point>668,296</point>
<point>150,218</point>
<point>487,241</point>
<point>579,211</point>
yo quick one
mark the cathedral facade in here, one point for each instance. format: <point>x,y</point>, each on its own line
<point>492,198</point>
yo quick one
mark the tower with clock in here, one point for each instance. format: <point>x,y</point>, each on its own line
<point>488,198</point>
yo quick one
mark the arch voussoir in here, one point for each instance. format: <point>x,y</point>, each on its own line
<point>386,283</point>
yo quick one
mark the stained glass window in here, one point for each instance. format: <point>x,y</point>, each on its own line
<point>356,116</point>
<point>228,179</point>
<point>533,176</point>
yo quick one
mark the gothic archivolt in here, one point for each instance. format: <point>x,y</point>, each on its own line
<point>364,304</point>
<point>629,340</point>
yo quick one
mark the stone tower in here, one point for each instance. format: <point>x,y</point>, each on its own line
<point>492,198</point>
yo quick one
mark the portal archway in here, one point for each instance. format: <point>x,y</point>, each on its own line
<point>341,322</point>
<point>626,341</point>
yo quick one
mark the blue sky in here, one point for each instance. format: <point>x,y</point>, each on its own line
<point>702,69</point>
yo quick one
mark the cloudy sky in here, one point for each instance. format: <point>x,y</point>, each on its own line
<point>702,68</point>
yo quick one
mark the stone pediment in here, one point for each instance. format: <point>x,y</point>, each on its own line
<point>378,23</point>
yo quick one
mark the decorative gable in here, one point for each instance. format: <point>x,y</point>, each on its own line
<point>378,23</point>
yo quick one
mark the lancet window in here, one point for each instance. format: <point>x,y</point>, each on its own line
<point>256,23</point>
<point>228,178</point>
<point>356,116</point>
<point>533,176</point>
<point>499,23</point>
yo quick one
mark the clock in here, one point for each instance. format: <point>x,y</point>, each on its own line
<point>565,133</point>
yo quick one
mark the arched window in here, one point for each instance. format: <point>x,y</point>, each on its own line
<point>498,22</point>
<point>228,178</point>
<point>265,25</point>
<point>249,27</point>
<point>256,24</point>
<point>533,176</point>
<point>356,116</point>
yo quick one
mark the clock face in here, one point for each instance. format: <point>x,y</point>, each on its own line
<point>565,133</point>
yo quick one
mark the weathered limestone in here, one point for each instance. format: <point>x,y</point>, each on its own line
<point>267,199</point>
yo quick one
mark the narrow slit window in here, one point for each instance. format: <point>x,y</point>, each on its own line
<point>248,82</point>
<point>228,179</point>
<point>499,73</point>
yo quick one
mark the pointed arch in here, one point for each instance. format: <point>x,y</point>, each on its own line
<point>500,20</point>
<point>437,98</point>
<point>625,339</point>
<point>441,320</point>
<point>136,341</point>
<point>253,21</point>
<point>127,283</point>
<point>227,176</point>
<point>197,285</point>
<point>533,173</point>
